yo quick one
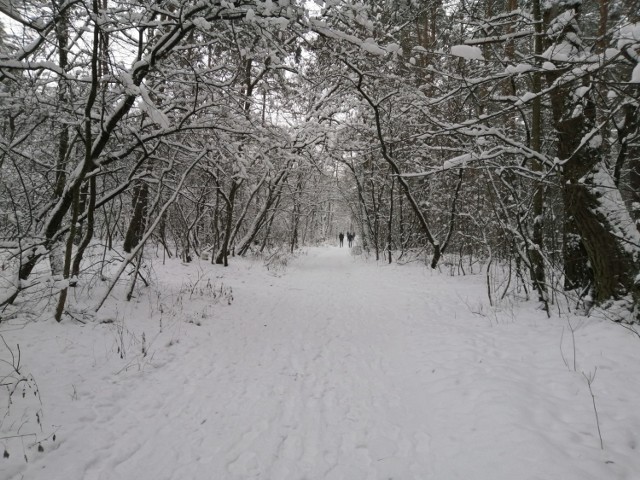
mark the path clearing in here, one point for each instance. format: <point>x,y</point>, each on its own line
<point>337,369</point>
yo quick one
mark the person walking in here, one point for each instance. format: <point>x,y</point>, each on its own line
<point>349,238</point>
<point>341,238</point>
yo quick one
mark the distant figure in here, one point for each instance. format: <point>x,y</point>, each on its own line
<point>350,238</point>
<point>341,237</point>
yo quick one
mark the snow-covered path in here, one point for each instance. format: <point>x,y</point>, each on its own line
<point>342,369</point>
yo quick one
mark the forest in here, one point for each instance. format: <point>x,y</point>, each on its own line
<point>453,131</point>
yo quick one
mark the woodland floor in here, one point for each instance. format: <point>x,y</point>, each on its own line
<point>332,367</point>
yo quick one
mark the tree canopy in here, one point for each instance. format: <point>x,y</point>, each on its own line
<point>507,131</point>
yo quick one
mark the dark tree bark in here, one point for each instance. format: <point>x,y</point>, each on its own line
<point>613,260</point>
<point>88,234</point>
<point>390,222</point>
<point>537,259</point>
<point>138,223</point>
<point>223,253</point>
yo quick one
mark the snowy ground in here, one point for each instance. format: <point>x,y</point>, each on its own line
<point>333,368</point>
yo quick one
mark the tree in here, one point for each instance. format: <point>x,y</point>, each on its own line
<point>481,130</point>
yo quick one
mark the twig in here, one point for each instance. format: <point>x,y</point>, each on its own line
<point>590,380</point>
<point>573,339</point>
<point>19,436</point>
<point>14,365</point>
<point>630,328</point>
<point>562,352</point>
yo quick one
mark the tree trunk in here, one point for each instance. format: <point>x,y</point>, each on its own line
<point>537,260</point>
<point>138,223</point>
<point>88,234</point>
<point>610,238</point>
<point>62,298</point>
<point>223,254</point>
<point>390,222</point>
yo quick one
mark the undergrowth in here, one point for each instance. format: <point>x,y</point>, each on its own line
<point>22,426</point>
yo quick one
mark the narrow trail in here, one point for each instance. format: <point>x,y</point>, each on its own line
<point>339,369</point>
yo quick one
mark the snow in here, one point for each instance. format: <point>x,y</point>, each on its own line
<point>279,22</point>
<point>549,4</point>
<point>635,75</point>
<point>610,53</point>
<point>561,22</point>
<point>595,141</point>
<point>459,161</point>
<point>268,7</point>
<point>610,199</point>
<point>322,28</point>
<point>369,45</point>
<point>581,91</point>
<point>201,23</point>
<point>467,51</point>
<point>324,367</point>
<point>561,52</point>
<point>520,68</point>
<point>394,48</point>
<point>157,116</point>
<point>629,39</point>
<point>525,97</point>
